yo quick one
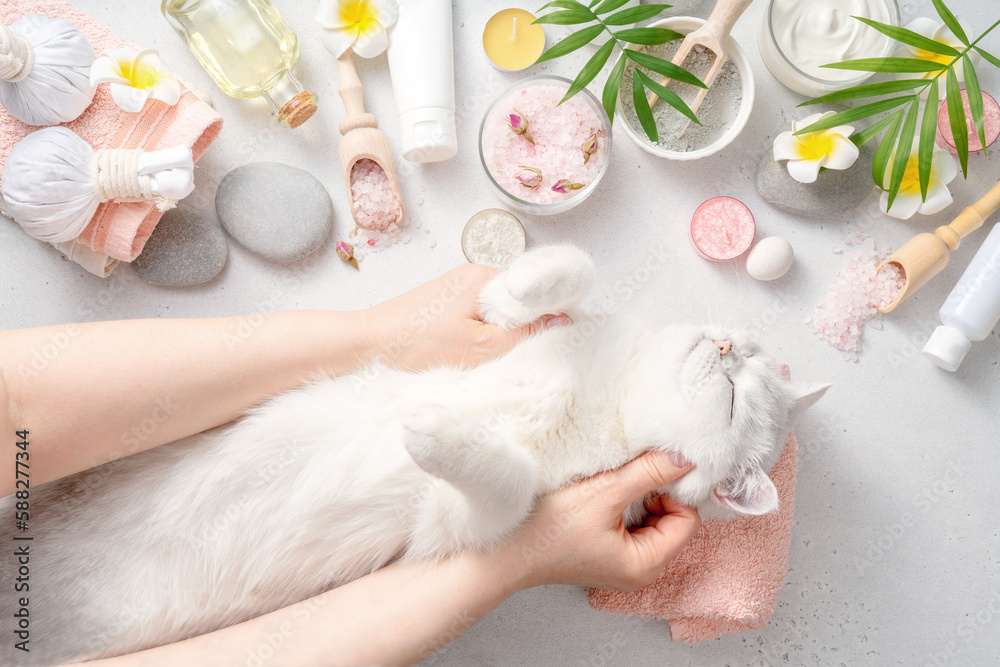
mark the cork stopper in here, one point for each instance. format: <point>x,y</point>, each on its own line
<point>298,110</point>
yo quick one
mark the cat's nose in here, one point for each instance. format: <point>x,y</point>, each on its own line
<point>724,347</point>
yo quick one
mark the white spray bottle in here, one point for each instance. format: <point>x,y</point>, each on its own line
<point>971,310</point>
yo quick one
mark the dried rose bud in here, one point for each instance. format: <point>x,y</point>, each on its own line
<point>565,185</point>
<point>529,177</point>
<point>519,124</point>
<point>589,146</point>
<point>345,251</point>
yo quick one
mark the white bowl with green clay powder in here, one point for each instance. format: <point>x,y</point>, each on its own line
<point>723,114</point>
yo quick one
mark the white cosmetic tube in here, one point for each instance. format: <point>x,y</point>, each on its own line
<point>422,65</point>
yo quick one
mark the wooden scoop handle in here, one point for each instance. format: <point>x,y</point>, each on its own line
<point>352,92</point>
<point>721,22</point>
<point>971,219</point>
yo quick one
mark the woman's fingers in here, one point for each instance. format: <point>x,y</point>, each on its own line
<point>637,478</point>
<point>664,536</point>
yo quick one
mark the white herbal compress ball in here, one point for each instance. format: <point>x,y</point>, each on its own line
<point>54,181</point>
<point>44,70</point>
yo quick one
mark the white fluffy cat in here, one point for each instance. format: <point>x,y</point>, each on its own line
<point>329,482</point>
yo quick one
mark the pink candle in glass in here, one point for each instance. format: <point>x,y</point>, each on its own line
<point>722,229</point>
<point>991,124</point>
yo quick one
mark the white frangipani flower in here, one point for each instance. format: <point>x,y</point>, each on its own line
<point>908,201</point>
<point>356,24</point>
<point>939,32</point>
<point>135,76</point>
<point>808,153</point>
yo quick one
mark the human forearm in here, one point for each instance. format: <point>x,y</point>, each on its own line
<point>395,616</point>
<point>89,393</point>
<point>404,612</point>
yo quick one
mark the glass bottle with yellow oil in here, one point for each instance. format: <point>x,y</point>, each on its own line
<point>247,48</point>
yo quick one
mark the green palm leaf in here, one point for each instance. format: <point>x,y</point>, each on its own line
<point>610,96</point>
<point>609,6</point>
<point>928,132</point>
<point>642,110</point>
<point>567,17</point>
<point>646,36</point>
<point>956,115</point>
<point>590,70</point>
<point>989,57</point>
<point>564,4</point>
<point>975,98</point>
<point>950,21</point>
<point>900,125</point>
<point>884,150</point>
<point>904,65</point>
<point>571,43</point>
<point>857,113</point>
<point>663,67</point>
<point>864,136</point>
<point>901,159</point>
<point>635,14</point>
<point>868,90</point>
<point>574,12</point>
<point>668,96</point>
<point>909,37</point>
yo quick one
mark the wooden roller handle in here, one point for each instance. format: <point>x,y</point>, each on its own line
<point>971,219</point>
<point>352,92</point>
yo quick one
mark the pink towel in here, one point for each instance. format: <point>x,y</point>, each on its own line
<point>727,579</point>
<point>119,230</point>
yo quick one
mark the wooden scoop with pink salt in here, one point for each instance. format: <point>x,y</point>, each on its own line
<point>366,157</point>
<point>925,255</point>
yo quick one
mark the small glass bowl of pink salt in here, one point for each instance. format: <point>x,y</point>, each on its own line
<point>543,157</point>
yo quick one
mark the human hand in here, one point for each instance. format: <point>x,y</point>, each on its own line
<point>438,323</point>
<point>577,534</point>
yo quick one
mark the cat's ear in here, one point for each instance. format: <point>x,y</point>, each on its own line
<point>803,396</point>
<point>750,492</point>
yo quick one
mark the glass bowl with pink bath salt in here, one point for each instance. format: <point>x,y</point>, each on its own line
<point>543,157</point>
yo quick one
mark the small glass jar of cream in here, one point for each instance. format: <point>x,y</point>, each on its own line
<point>797,37</point>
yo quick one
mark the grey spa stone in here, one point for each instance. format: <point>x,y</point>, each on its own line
<point>833,193</point>
<point>184,249</point>
<point>279,212</point>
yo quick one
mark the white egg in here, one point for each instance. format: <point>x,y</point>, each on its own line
<point>770,258</point>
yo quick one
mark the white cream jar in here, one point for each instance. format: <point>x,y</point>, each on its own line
<point>796,37</point>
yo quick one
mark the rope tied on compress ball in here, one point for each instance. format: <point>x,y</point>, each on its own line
<point>54,181</point>
<point>116,176</point>
<point>16,56</point>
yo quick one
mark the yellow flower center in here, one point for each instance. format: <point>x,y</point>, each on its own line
<point>815,145</point>
<point>911,177</point>
<point>939,58</point>
<point>139,75</point>
<point>359,16</point>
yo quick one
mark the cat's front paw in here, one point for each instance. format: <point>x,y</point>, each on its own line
<point>546,280</point>
<point>434,436</point>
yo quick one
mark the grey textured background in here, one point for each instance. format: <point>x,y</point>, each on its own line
<point>895,550</point>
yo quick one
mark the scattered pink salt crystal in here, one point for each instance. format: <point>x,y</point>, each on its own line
<point>375,204</point>
<point>855,293</point>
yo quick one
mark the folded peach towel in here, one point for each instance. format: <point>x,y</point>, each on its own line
<point>727,579</point>
<point>117,230</point>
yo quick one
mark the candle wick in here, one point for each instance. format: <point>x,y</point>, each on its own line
<point>725,232</point>
<point>513,32</point>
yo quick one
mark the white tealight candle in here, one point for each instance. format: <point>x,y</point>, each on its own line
<point>493,237</point>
